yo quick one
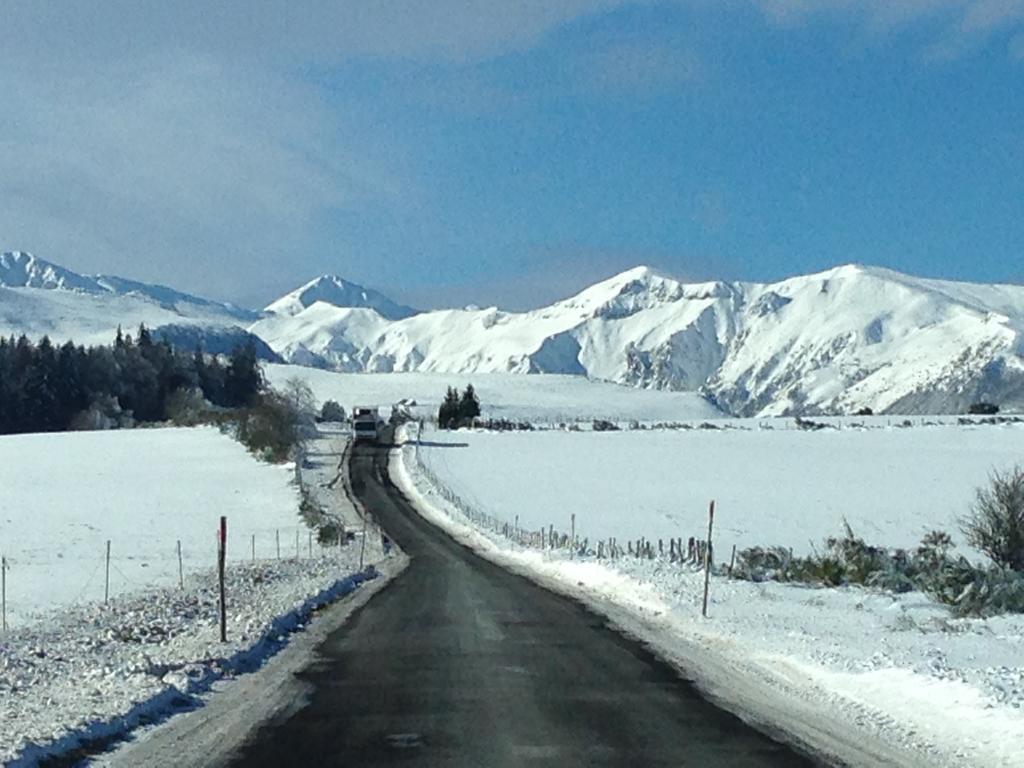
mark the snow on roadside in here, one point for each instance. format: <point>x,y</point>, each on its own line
<point>848,671</point>
<point>93,672</point>
<point>100,670</point>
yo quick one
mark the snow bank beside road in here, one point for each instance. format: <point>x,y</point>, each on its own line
<point>100,671</point>
<point>870,678</point>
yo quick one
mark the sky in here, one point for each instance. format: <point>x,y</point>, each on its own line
<point>476,151</point>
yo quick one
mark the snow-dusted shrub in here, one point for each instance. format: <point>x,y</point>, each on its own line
<point>995,524</point>
<point>270,428</point>
<point>104,413</point>
<point>187,407</point>
<point>991,592</point>
<point>331,411</point>
<point>603,425</point>
<point>760,563</point>
<point>932,569</point>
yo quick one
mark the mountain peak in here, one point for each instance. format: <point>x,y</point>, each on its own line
<point>20,269</point>
<point>336,290</point>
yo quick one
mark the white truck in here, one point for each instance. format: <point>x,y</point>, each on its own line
<point>366,424</point>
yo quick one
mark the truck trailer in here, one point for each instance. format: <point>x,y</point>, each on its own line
<point>366,424</point>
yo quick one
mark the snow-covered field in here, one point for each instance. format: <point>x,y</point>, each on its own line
<point>540,398</point>
<point>65,495</point>
<point>772,487</point>
<point>881,679</point>
<point>88,670</point>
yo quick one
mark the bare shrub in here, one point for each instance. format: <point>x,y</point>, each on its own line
<point>995,524</point>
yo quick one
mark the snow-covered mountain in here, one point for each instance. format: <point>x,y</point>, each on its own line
<point>331,289</point>
<point>40,298</point>
<point>839,340</point>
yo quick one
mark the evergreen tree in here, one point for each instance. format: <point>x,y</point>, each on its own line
<point>244,379</point>
<point>448,413</point>
<point>469,406</point>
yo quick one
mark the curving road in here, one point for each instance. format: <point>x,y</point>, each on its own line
<point>461,663</point>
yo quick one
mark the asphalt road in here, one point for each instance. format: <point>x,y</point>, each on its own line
<point>461,663</point>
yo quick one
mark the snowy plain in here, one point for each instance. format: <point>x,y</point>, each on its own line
<point>779,487</point>
<point>865,677</point>
<point>83,671</point>
<point>544,398</point>
<point>65,495</point>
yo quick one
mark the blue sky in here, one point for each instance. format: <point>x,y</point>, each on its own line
<point>510,153</point>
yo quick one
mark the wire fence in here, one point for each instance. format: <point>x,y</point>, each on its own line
<point>691,551</point>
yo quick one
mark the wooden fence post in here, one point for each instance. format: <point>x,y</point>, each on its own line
<point>3,590</point>
<point>254,547</point>
<point>106,586</point>
<point>707,559</point>
<point>181,571</point>
<point>222,551</point>
<point>572,536</point>
<point>277,537</point>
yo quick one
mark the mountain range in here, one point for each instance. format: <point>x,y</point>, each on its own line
<point>836,341</point>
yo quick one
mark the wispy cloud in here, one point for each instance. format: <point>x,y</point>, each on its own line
<point>958,26</point>
<point>182,142</point>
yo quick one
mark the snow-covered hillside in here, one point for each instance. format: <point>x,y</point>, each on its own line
<point>40,298</point>
<point>839,340</point>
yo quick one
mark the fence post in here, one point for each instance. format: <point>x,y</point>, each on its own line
<point>572,536</point>
<point>106,586</point>
<point>310,545</point>
<point>296,543</point>
<point>707,559</point>
<point>732,560</point>
<point>277,537</point>
<point>254,547</point>
<point>221,557</point>
<point>362,548</point>
<point>3,590</point>
<point>181,572</point>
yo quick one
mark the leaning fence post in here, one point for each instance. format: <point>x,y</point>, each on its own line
<point>707,559</point>
<point>222,541</point>
<point>732,560</point>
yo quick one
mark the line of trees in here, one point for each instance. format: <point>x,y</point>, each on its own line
<point>458,410</point>
<point>46,388</point>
